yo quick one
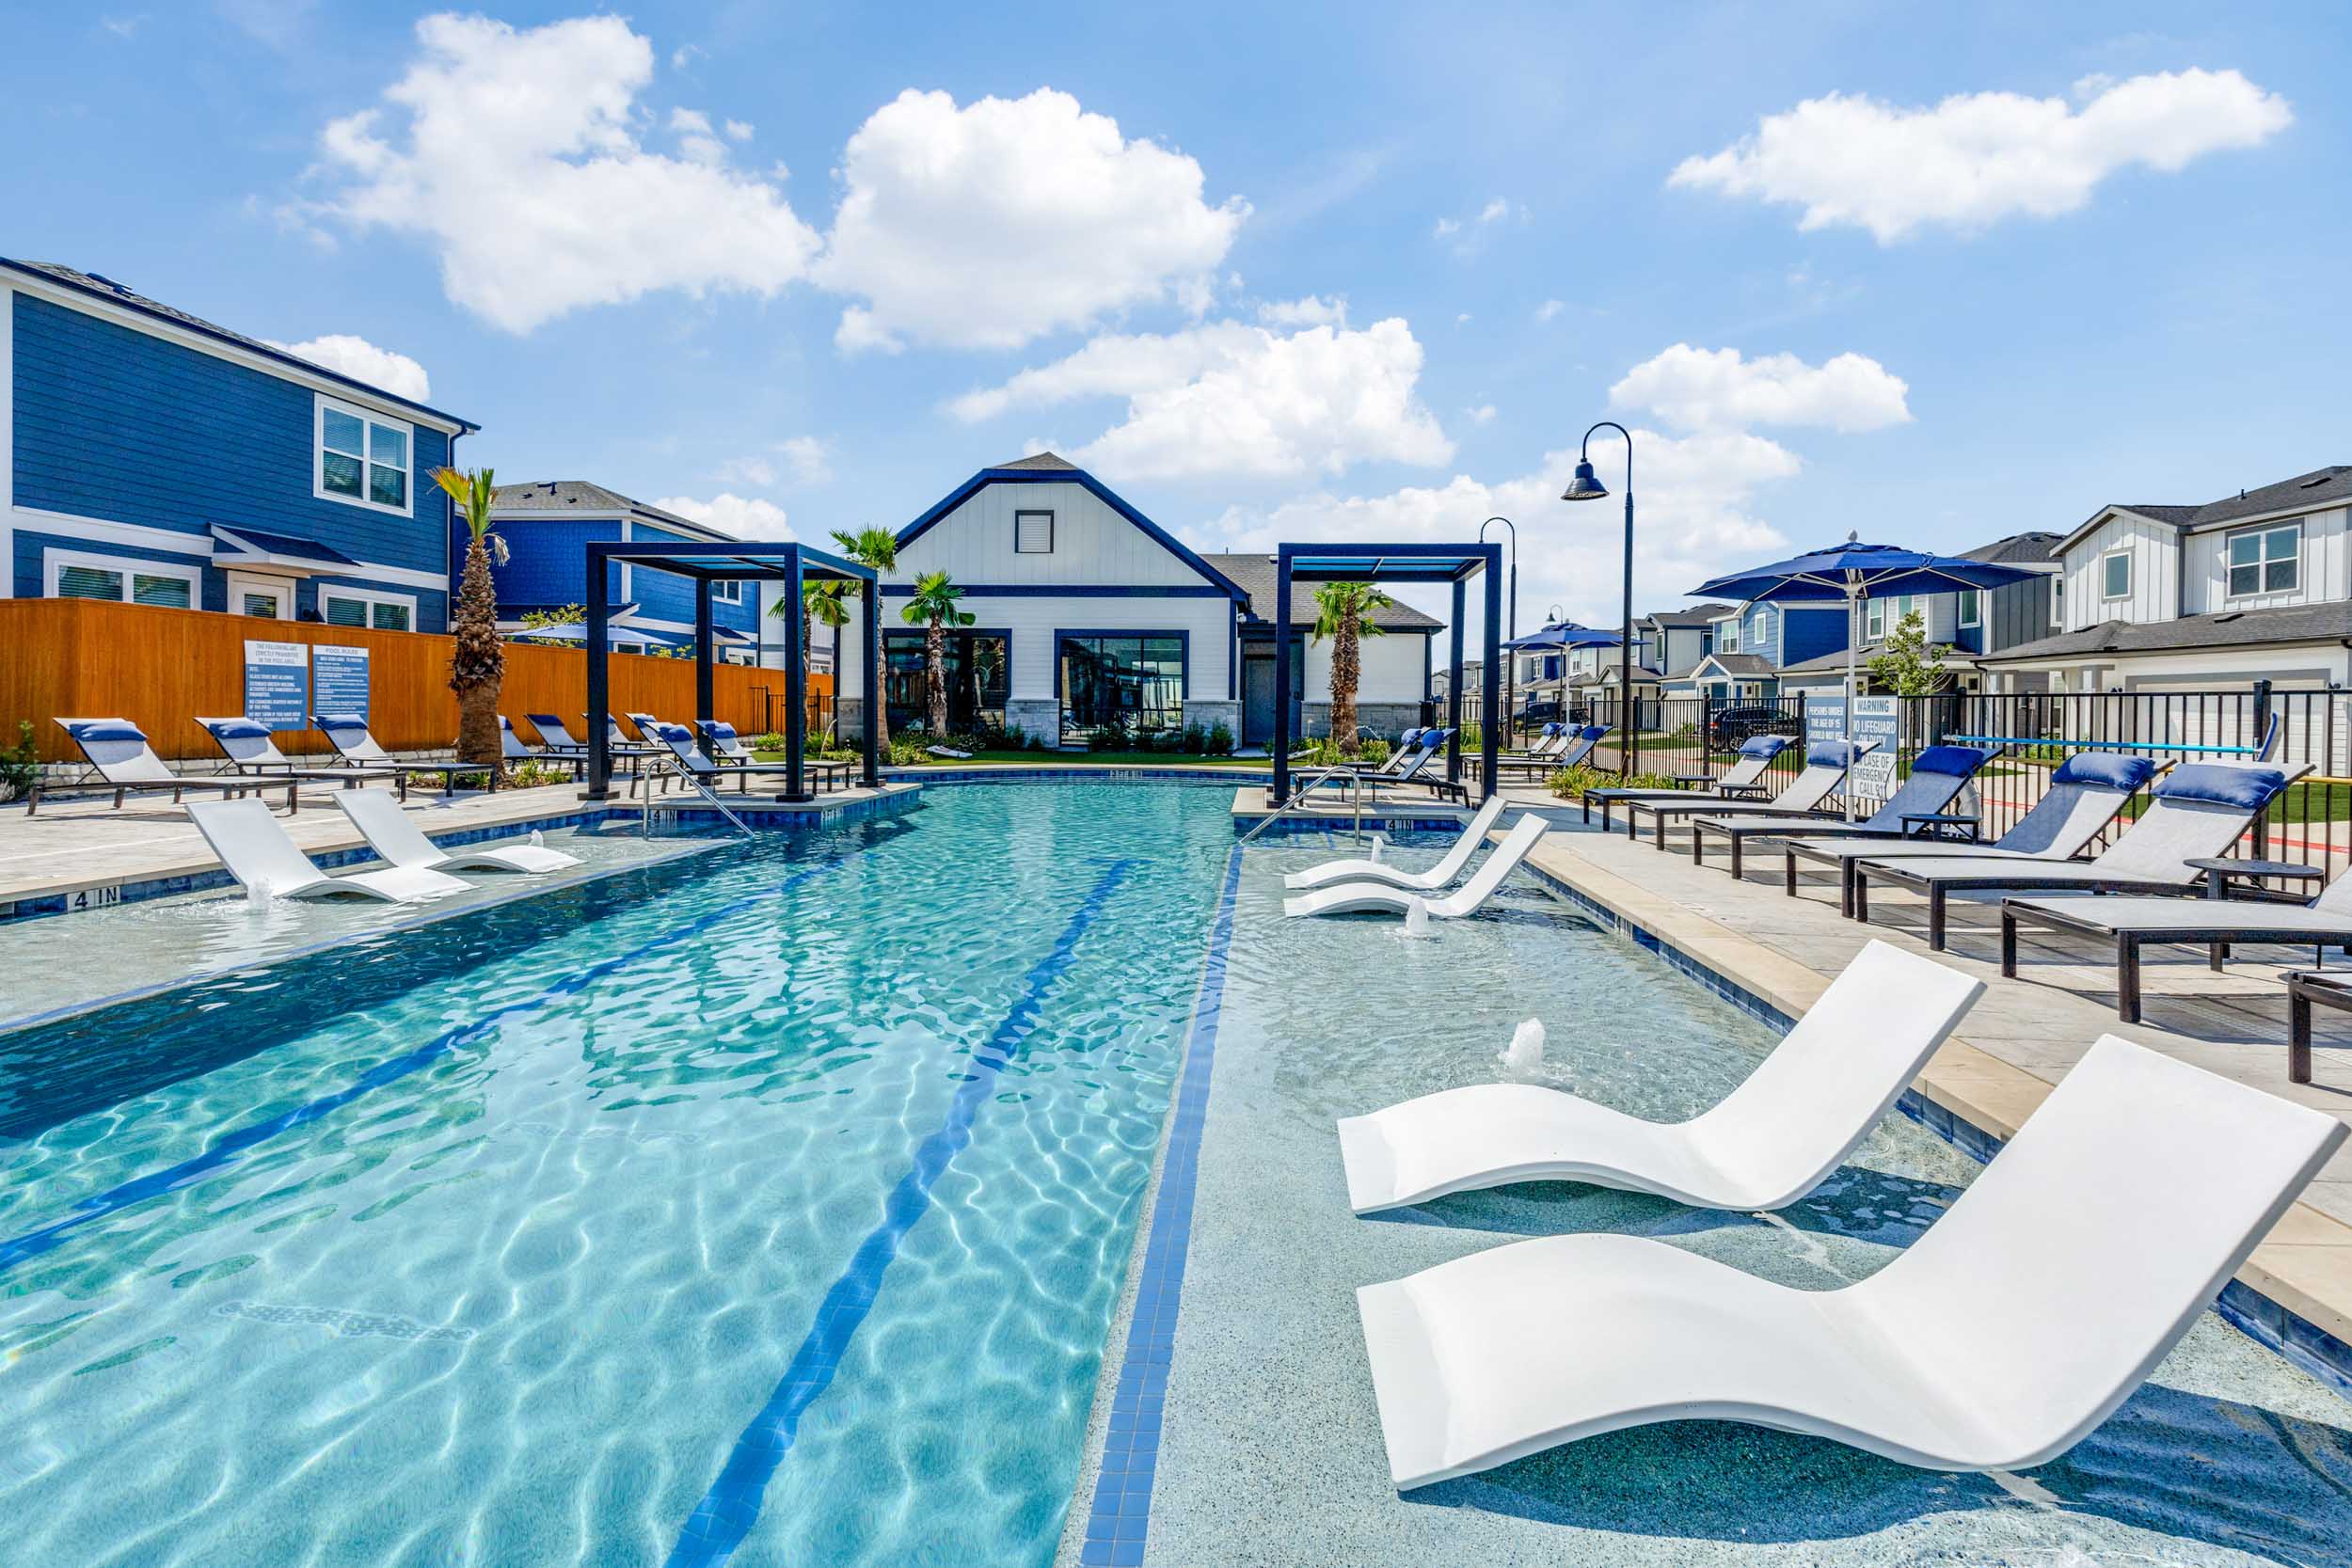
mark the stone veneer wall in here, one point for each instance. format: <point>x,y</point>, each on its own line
<point>1386,720</point>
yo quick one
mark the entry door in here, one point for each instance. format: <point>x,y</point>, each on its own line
<point>1257,708</point>
<point>271,598</point>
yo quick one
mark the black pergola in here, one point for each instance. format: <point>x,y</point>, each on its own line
<point>1451,563</point>
<point>787,563</point>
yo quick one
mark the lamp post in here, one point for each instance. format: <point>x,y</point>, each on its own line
<point>1584,487</point>
<point>1511,670</point>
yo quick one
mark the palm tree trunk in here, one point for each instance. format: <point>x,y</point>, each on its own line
<point>935,671</point>
<point>877,694</point>
<point>478,662</point>
<point>1346,669</point>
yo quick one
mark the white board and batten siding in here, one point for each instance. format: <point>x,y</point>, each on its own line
<point>2325,573</point>
<point>2155,585</point>
<point>1092,544</point>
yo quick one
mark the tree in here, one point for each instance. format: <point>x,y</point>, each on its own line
<point>477,664</point>
<point>560,615</point>
<point>1340,611</point>
<point>1910,665</point>
<point>934,608</point>
<point>823,601</point>
<point>877,547</point>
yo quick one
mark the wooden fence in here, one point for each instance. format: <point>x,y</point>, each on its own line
<point>162,669</point>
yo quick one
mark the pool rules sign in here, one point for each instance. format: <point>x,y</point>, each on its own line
<point>278,684</point>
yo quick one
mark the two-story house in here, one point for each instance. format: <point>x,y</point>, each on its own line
<point>1969,624</point>
<point>150,456</point>
<point>2254,586</point>
<point>547,525</point>
<point>1750,646</point>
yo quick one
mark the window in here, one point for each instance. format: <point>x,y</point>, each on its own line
<point>123,579</point>
<point>1129,682</point>
<point>267,599</point>
<point>1971,610</point>
<point>2265,559</point>
<point>726,592</point>
<point>1874,619</point>
<point>2058,599</point>
<point>1727,638</point>
<point>362,458</point>
<point>979,670</point>
<point>1033,532</point>
<point>358,607</point>
<point>2115,575</point>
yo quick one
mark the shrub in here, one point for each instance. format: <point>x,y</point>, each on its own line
<point>530,775</point>
<point>1108,737</point>
<point>1196,739</point>
<point>909,750</point>
<point>1374,752</point>
<point>1569,784</point>
<point>1037,743</point>
<point>1220,740</point>
<point>18,766</point>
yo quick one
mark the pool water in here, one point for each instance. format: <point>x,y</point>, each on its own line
<point>767,1206</point>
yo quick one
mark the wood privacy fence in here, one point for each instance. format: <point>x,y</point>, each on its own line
<point>162,669</point>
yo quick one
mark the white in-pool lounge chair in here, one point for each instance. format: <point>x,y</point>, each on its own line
<point>263,860</point>
<point>1437,876</point>
<point>2085,793</point>
<point>1997,1340</point>
<point>2197,812</point>
<point>391,834</point>
<point>118,749</point>
<point>1743,781</point>
<point>1372,898</point>
<point>1769,1142</point>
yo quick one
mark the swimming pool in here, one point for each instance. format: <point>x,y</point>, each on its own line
<point>764,1207</point>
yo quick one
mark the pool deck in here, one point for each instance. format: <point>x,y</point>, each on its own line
<point>79,845</point>
<point>2021,1039</point>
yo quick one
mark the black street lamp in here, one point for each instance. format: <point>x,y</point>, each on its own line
<point>1584,487</point>
<point>1511,669</point>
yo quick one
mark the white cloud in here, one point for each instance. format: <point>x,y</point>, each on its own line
<point>754,469</point>
<point>697,143</point>
<point>743,516</point>
<point>1977,158</point>
<point>1444,227</point>
<point>1314,310</point>
<point>991,225</point>
<point>738,130</point>
<point>1229,399</point>
<point>1494,211</point>
<point>514,153</point>
<point>1548,309</point>
<point>1701,497</point>
<point>362,360</point>
<point>1697,389</point>
<point>807,458</point>
<point>1482,414</point>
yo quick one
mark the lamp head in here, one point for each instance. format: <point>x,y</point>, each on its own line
<point>1584,487</point>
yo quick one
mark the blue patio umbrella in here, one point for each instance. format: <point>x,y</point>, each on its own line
<point>1565,634</point>
<point>1854,572</point>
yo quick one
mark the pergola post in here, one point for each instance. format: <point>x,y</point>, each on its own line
<point>1281,679</point>
<point>870,605</point>
<point>599,687</point>
<point>702,697</point>
<point>795,691</point>
<point>1454,691</point>
<point>1489,732</point>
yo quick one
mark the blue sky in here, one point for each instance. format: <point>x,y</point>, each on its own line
<point>1933,273</point>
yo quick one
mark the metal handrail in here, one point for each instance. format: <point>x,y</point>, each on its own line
<point>1299,795</point>
<point>692,781</point>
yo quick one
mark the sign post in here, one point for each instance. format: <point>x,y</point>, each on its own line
<point>339,676</point>
<point>278,684</point>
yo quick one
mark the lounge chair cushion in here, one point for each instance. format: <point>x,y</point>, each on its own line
<point>2246,788</point>
<point>109,729</point>
<point>339,720</point>
<point>1764,746</point>
<point>720,730</point>
<point>1831,753</point>
<point>1960,761</point>
<point>238,729</point>
<point>2105,771</point>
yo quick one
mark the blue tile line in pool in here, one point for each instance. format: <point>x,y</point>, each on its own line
<point>731,1507</point>
<point>1130,1444</point>
<point>114,1200</point>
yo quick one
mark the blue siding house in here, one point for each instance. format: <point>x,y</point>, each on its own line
<point>547,526</point>
<point>150,456</point>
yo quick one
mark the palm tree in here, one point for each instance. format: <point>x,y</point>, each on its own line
<point>934,607</point>
<point>1340,611</point>
<point>477,664</point>
<point>877,547</point>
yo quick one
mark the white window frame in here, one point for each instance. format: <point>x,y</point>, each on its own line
<point>1033,511</point>
<point>2262,561</point>
<point>1873,619</point>
<point>367,417</point>
<point>2106,556</point>
<point>369,597</point>
<point>1968,608</point>
<point>1727,636</point>
<point>55,561</point>
<point>2058,599</point>
<point>280,589</point>
<point>727,591</point>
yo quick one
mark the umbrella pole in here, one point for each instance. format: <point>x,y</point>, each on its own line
<point>1854,637</point>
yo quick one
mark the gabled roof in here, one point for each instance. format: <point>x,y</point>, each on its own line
<point>2304,492</point>
<point>2316,623</point>
<point>2029,549</point>
<point>1255,575</point>
<point>577,497</point>
<point>1047,468</point>
<point>99,286</point>
<point>1733,664</point>
<point>1697,615</point>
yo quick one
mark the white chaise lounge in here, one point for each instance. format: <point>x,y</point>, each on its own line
<point>1437,876</point>
<point>1374,898</point>
<point>1997,1341</point>
<point>263,860</point>
<point>1769,1142</point>
<point>394,835</point>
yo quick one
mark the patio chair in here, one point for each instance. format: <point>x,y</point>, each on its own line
<point>1374,898</point>
<point>1437,876</point>
<point>2085,793</point>
<point>555,736</point>
<point>679,741</point>
<point>2197,812</point>
<point>395,836</point>
<point>1769,1142</point>
<point>250,748</point>
<point>1938,774</point>
<point>1743,779</point>
<point>119,751</point>
<point>264,861</point>
<point>348,734</point>
<point>723,746</point>
<point>1433,747</point>
<point>2033,1308</point>
<point>1577,749</point>
<point>1413,748</point>
<point>1827,763</point>
<point>2216,924</point>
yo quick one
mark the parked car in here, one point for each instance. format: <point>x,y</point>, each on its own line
<point>1729,726</point>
